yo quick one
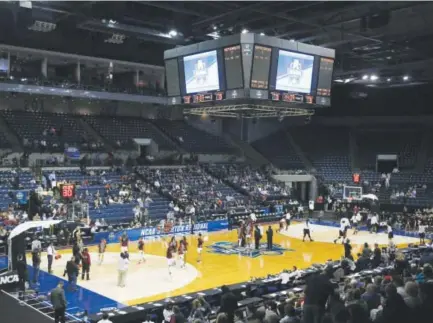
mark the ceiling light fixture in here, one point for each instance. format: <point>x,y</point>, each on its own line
<point>42,26</point>
<point>244,31</point>
<point>365,77</point>
<point>116,39</point>
<point>405,78</point>
<point>388,79</point>
<point>172,33</point>
<point>262,34</point>
<point>374,77</point>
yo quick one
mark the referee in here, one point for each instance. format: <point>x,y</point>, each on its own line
<point>50,256</point>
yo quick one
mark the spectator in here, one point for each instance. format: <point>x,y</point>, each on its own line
<point>271,315</point>
<point>317,291</point>
<point>412,298</point>
<point>105,319</point>
<point>394,309</point>
<point>371,297</point>
<point>58,301</point>
<point>229,303</point>
<point>289,314</point>
<point>167,312</point>
<point>177,316</point>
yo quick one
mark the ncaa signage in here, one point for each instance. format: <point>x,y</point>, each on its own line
<point>135,234</point>
<point>9,280</point>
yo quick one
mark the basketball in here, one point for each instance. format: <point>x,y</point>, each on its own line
<point>57,257</point>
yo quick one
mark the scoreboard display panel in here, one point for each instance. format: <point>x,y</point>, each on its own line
<point>324,83</point>
<point>233,67</point>
<point>67,191</point>
<point>261,67</point>
<point>249,66</point>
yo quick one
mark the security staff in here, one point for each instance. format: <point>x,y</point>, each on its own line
<point>257,237</point>
<point>269,236</point>
<point>22,275</point>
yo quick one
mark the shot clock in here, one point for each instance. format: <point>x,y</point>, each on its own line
<point>67,191</point>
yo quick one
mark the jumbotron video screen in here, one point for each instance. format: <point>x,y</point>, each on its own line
<point>201,72</point>
<point>294,72</point>
<point>266,68</point>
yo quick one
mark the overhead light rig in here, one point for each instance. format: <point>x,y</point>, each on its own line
<point>249,111</point>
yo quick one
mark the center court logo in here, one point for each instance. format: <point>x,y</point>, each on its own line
<point>231,248</point>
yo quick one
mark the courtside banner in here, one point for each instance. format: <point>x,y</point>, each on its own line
<point>135,234</point>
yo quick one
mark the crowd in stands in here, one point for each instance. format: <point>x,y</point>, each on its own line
<point>382,286</point>
<point>193,187</point>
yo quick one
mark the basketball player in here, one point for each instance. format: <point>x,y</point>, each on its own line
<point>101,250</point>
<point>170,259</point>
<point>307,231</point>
<point>141,250</point>
<point>356,220</point>
<point>124,241</point>
<point>240,234</point>
<point>282,224</point>
<point>248,231</point>
<point>344,225</point>
<point>181,253</point>
<point>86,262</point>
<point>421,233</point>
<point>288,218</point>
<point>199,247</point>
<point>389,231</point>
<point>185,247</point>
<point>173,245</point>
<point>374,223</point>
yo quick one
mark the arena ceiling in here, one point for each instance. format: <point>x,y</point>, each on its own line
<point>388,40</point>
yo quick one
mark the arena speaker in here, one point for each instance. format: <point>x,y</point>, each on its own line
<point>379,20</point>
<point>24,17</point>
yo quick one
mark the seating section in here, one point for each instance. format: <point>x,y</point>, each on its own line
<point>328,150</point>
<point>124,129</point>
<point>55,129</point>
<point>194,185</point>
<point>279,151</point>
<point>193,139</point>
<point>4,143</point>
<point>254,181</point>
<point>107,185</point>
<point>404,143</point>
<point>9,185</point>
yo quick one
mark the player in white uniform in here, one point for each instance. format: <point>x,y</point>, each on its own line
<point>307,231</point>
<point>344,225</point>
<point>389,231</point>
<point>356,220</point>
<point>374,223</point>
<point>421,232</point>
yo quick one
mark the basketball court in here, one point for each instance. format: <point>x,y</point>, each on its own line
<point>223,262</point>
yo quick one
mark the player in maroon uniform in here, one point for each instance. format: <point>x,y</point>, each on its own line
<point>141,250</point>
<point>199,247</point>
<point>124,241</point>
<point>173,245</point>
<point>86,262</point>
<point>170,259</point>
<point>181,252</point>
<point>185,245</point>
